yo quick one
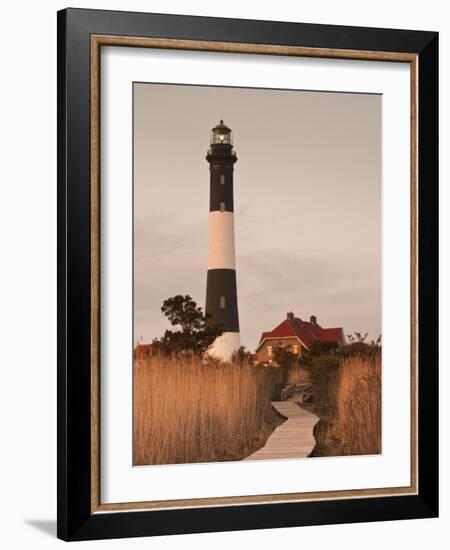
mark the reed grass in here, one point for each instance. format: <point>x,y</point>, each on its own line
<point>187,410</point>
<point>348,402</point>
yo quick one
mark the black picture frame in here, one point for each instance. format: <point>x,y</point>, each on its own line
<point>75,518</point>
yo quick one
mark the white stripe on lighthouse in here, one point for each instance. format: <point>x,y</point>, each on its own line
<point>221,240</point>
<point>225,345</point>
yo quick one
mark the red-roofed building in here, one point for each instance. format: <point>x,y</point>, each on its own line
<point>141,351</point>
<point>296,335</point>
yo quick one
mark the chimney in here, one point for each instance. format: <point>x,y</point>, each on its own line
<point>290,315</point>
<point>313,319</point>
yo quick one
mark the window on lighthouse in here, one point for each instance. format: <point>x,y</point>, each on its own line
<point>222,302</point>
<point>222,179</point>
<point>222,207</point>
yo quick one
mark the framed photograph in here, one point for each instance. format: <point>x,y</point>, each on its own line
<point>247,256</point>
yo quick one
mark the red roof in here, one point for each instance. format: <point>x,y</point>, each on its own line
<point>143,350</point>
<point>144,347</point>
<point>305,331</point>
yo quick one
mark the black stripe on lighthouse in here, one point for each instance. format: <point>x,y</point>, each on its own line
<point>221,299</point>
<point>221,188</point>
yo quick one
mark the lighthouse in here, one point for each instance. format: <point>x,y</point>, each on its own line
<point>221,292</point>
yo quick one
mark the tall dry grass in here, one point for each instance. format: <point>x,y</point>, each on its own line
<point>349,405</point>
<point>186,410</point>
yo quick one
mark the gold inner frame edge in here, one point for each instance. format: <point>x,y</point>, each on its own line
<point>97,41</point>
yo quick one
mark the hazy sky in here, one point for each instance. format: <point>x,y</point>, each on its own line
<point>307,195</point>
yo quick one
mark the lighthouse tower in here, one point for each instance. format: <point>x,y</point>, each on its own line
<point>221,293</point>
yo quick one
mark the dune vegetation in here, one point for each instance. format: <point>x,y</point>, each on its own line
<point>347,399</point>
<point>191,410</point>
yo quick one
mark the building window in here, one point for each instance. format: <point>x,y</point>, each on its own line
<point>269,351</point>
<point>222,179</point>
<point>222,302</point>
<point>222,207</point>
<point>295,348</point>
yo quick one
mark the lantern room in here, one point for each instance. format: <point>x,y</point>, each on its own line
<point>221,134</point>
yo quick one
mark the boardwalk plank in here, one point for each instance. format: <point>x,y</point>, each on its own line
<point>292,439</point>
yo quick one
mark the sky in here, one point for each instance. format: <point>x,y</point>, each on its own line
<point>307,202</point>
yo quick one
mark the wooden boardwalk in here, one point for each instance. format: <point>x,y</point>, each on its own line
<point>292,439</point>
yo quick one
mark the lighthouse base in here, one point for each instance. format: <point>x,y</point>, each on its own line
<point>224,346</point>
